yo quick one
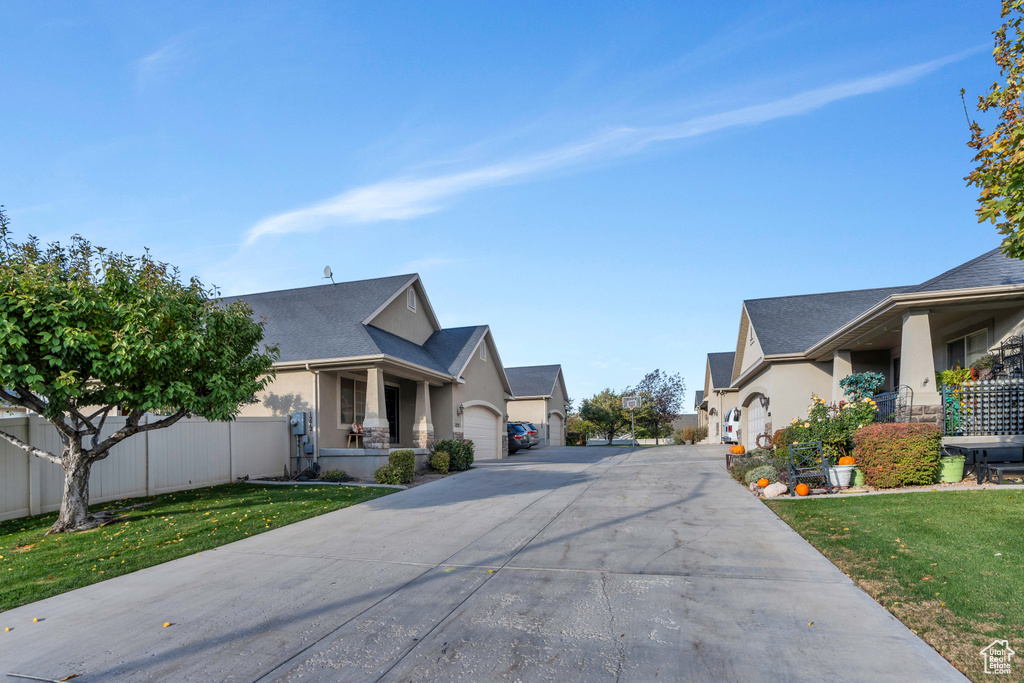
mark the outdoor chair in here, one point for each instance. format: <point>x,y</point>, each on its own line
<point>807,462</point>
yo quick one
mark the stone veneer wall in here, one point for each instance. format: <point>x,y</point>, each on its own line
<point>504,445</point>
<point>377,437</point>
<point>926,414</point>
<point>422,438</point>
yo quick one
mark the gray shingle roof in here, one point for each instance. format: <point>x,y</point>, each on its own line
<point>326,321</point>
<point>453,346</point>
<point>792,324</point>
<point>988,270</point>
<point>533,380</point>
<point>721,368</point>
<point>698,398</point>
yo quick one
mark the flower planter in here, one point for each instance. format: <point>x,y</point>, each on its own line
<point>952,469</point>
<point>840,474</point>
<point>858,477</point>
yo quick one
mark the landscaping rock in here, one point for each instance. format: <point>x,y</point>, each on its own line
<point>753,487</point>
<point>775,490</point>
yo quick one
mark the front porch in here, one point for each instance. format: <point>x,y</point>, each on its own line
<point>361,463</point>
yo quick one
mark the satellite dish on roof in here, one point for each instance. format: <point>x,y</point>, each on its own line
<point>329,274</point>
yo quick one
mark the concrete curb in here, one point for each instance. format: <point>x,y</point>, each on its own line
<point>264,482</point>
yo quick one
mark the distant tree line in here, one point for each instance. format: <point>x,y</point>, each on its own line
<point>661,396</point>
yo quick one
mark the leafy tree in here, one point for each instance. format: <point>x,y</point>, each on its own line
<point>661,401</point>
<point>85,331</point>
<point>999,154</point>
<point>605,412</point>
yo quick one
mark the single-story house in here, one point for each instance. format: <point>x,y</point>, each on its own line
<point>790,348</point>
<point>718,396</point>
<point>372,354</point>
<point>541,399</point>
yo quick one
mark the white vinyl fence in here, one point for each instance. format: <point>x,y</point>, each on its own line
<point>189,454</point>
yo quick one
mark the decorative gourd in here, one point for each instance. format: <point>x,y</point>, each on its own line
<point>847,460</point>
<point>762,482</point>
<point>737,449</point>
<point>802,489</point>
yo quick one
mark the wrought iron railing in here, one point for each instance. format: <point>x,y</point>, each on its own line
<point>984,408</point>
<point>895,405</point>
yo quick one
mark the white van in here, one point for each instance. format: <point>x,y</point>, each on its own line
<point>731,426</point>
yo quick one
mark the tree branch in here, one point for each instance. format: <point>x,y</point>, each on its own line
<point>31,450</point>
<point>131,427</point>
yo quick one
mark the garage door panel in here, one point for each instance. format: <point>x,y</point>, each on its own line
<point>557,437</point>
<point>755,423</point>
<point>481,427</point>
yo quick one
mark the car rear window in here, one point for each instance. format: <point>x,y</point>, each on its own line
<point>518,428</point>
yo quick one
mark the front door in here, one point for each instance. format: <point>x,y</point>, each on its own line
<point>391,405</point>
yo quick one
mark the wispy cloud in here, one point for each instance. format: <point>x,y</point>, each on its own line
<point>159,61</point>
<point>408,197</point>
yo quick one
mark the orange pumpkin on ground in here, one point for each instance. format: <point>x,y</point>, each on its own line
<point>847,460</point>
<point>762,482</point>
<point>737,449</point>
<point>802,489</point>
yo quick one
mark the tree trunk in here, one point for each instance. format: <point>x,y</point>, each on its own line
<point>74,506</point>
<point>611,436</point>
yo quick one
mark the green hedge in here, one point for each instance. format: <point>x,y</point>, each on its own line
<point>900,454</point>
<point>439,461</point>
<point>768,472</point>
<point>460,453</point>
<point>405,461</point>
<point>388,474</point>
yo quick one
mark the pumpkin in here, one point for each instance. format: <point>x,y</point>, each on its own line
<point>802,489</point>
<point>762,482</point>
<point>847,460</point>
<point>737,449</point>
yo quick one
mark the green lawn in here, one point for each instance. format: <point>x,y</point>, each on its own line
<point>950,565</point>
<point>34,566</point>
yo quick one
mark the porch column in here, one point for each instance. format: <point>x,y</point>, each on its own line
<point>917,366</point>
<point>375,423</point>
<point>842,366</point>
<point>423,425</point>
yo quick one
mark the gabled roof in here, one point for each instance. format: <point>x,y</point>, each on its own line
<point>991,269</point>
<point>325,321</point>
<point>452,347</point>
<point>331,322</point>
<point>792,324</point>
<point>721,368</point>
<point>533,380</point>
<point>698,398</point>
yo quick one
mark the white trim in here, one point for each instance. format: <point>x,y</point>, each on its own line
<point>485,404</point>
<point>557,412</point>
<point>410,299</point>
<point>497,360</point>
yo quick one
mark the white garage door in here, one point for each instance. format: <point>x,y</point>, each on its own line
<point>481,427</point>
<point>755,423</point>
<point>555,430</point>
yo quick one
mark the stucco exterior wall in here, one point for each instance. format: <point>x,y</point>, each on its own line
<point>874,361</point>
<point>442,411</point>
<point>558,399</point>
<point>722,402</point>
<point>397,319</point>
<point>791,387</point>
<point>483,383</point>
<point>289,392</point>
<point>533,410</point>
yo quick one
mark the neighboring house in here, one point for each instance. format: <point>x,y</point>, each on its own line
<point>540,398</point>
<point>372,353</point>
<point>790,348</point>
<point>701,408</point>
<point>718,396</point>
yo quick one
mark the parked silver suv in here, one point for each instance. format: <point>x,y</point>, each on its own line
<point>531,432</point>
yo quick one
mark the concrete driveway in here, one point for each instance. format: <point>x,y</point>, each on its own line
<point>574,564</point>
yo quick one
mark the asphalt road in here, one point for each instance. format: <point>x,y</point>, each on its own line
<point>574,564</point>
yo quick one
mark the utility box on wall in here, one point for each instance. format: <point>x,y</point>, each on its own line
<point>298,423</point>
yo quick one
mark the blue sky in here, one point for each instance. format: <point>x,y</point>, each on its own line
<point>581,177</point>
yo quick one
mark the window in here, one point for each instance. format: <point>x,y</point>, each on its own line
<point>962,352</point>
<point>411,299</point>
<point>360,396</point>
<point>483,351</point>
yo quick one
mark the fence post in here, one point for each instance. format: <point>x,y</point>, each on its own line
<point>149,466</point>
<point>231,451</point>
<point>35,487</point>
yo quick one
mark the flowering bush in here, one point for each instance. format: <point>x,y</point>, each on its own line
<point>900,454</point>
<point>833,425</point>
